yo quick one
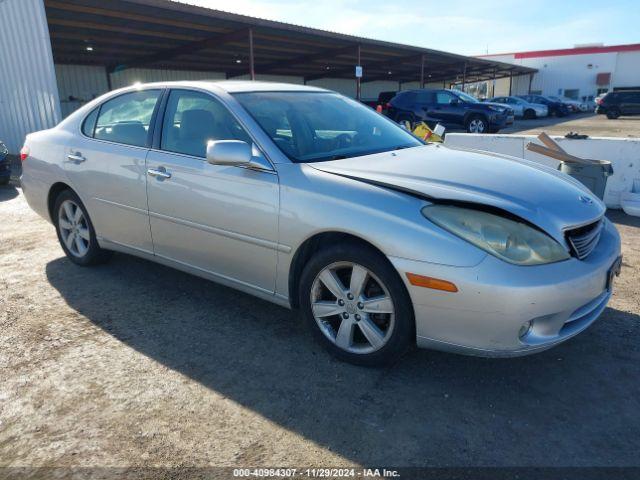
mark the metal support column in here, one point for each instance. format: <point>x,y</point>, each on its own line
<point>510,81</point>
<point>464,75</point>
<point>252,71</point>
<point>422,72</point>
<point>530,82</point>
<point>358,78</point>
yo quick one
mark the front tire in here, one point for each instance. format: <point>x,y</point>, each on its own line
<point>476,124</point>
<point>529,114</point>
<point>356,305</point>
<point>75,231</point>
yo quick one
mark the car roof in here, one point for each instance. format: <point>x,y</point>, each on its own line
<point>235,86</point>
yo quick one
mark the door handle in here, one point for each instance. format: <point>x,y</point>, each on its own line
<point>76,157</point>
<point>159,173</point>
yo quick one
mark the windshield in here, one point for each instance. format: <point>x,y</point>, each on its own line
<point>467,98</point>
<point>319,126</point>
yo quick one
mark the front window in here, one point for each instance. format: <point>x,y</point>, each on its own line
<point>319,126</point>
<point>467,98</point>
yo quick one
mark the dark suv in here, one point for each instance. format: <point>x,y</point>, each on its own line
<point>614,104</point>
<point>5,164</point>
<point>450,108</point>
<point>559,109</point>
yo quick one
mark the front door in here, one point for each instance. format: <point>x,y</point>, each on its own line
<point>106,166</point>
<point>218,219</point>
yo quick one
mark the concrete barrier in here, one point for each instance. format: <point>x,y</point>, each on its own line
<point>623,153</point>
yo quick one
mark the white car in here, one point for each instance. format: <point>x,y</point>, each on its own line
<point>522,108</point>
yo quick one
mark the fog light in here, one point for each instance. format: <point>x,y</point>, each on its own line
<point>525,329</point>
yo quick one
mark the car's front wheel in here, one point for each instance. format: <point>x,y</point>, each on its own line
<point>476,124</point>
<point>75,231</point>
<point>529,114</point>
<point>357,305</point>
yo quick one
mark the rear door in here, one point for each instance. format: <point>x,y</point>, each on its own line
<point>218,219</point>
<point>106,165</point>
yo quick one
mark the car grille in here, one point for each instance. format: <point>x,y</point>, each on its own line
<point>584,239</point>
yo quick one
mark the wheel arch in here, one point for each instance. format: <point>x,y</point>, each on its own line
<point>472,114</point>
<point>55,190</point>
<point>312,245</point>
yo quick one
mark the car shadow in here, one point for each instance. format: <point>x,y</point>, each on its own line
<point>618,216</point>
<point>574,405</point>
<point>7,192</point>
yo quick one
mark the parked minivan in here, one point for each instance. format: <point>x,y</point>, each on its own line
<point>614,104</point>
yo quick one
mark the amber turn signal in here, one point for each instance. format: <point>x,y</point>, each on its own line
<point>430,282</point>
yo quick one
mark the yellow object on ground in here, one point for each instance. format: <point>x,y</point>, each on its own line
<point>423,132</point>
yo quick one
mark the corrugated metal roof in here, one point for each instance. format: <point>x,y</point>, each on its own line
<point>28,91</point>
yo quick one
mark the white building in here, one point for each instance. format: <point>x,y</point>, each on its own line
<point>582,72</point>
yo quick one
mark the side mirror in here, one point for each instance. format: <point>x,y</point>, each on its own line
<point>228,152</point>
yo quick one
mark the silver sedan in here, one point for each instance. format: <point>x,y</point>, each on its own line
<point>308,199</point>
<point>522,108</point>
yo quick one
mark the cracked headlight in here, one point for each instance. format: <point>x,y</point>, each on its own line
<point>512,241</point>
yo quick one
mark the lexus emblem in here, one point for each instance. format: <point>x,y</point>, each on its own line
<point>584,199</point>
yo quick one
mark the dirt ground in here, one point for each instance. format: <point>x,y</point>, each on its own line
<point>134,364</point>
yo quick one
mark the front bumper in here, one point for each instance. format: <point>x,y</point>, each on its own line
<point>541,112</point>
<point>495,299</point>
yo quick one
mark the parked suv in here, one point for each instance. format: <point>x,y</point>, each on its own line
<point>450,108</point>
<point>614,104</point>
<point>559,109</point>
<point>5,164</point>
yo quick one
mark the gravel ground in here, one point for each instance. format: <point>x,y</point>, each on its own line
<point>135,364</point>
<point>585,123</point>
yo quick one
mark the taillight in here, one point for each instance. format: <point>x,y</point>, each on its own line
<point>598,101</point>
<point>24,153</point>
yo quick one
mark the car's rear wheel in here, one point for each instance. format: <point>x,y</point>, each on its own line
<point>613,113</point>
<point>75,231</point>
<point>529,114</point>
<point>476,124</point>
<point>404,118</point>
<point>356,305</point>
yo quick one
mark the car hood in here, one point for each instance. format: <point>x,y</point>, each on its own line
<point>538,194</point>
<point>494,104</point>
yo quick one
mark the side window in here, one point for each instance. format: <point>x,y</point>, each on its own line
<point>125,119</point>
<point>192,119</point>
<point>89,124</point>
<point>443,98</point>
<point>423,97</point>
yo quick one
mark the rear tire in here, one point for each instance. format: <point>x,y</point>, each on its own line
<point>613,113</point>
<point>402,118</point>
<point>529,114</point>
<point>361,312</point>
<point>75,231</point>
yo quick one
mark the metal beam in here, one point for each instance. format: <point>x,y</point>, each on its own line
<point>188,48</point>
<point>383,64</point>
<point>306,58</point>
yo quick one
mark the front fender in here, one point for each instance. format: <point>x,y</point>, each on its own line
<point>314,202</point>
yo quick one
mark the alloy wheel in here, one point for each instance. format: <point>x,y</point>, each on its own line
<point>476,125</point>
<point>352,307</point>
<point>74,229</point>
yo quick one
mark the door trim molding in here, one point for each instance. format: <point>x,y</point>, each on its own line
<point>225,233</point>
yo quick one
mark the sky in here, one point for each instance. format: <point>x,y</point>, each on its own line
<point>464,27</point>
